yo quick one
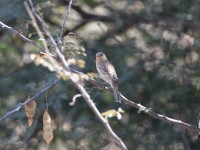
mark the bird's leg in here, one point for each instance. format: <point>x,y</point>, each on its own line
<point>102,85</point>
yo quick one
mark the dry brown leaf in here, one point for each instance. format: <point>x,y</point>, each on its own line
<point>47,128</point>
<point>30,111</point>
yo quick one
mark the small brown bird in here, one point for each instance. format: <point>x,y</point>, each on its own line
<point>107,73</point>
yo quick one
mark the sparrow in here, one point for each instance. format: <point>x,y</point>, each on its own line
<point>107,73</point>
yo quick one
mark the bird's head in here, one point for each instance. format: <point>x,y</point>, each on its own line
<point>100,56</point>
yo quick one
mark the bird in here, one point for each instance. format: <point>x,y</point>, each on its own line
<point>107,72</point>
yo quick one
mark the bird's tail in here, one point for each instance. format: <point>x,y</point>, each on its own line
<point>116,93</point>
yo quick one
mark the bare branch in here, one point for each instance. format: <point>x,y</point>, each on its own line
<point>39,32</point>
<point>65,19</point>
<point>36,27</point>
<point>31,99</point>
<point>93,107</point>
<point>20,35</point>
<point>44,26</point>
<point>148,110</point>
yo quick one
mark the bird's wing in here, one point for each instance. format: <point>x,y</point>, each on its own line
<point>108,68</point>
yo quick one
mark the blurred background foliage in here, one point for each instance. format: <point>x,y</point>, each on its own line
<point>154,46</point>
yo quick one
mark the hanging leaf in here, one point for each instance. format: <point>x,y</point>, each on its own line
<point>47,129</point>
<point>30,111</point>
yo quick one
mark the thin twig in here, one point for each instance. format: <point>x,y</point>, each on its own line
<point>44,26</point>
<point>36,27</point>
<point>21,35</point>
<point>65,19</point>
<point>50,57</point>
<point>74,99</point>
<point>93,107</point>
<point>149,111</point>
<point>30,99</point>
